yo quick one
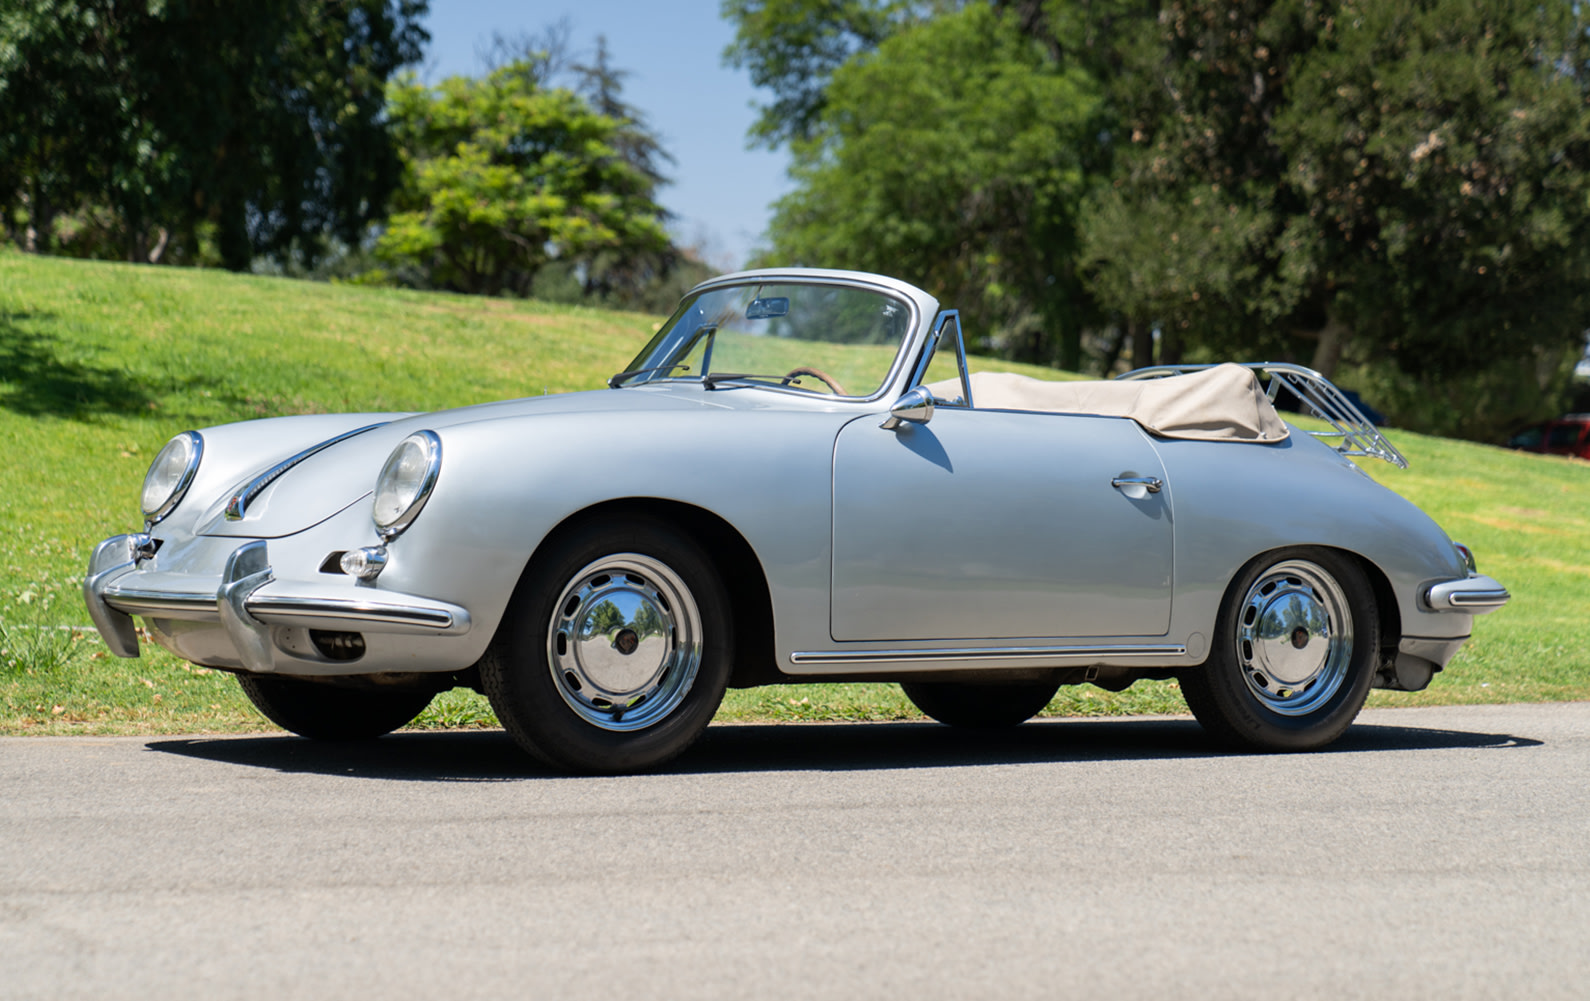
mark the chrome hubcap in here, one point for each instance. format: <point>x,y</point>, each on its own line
<point>1294,638</point>
<point>624,644</point>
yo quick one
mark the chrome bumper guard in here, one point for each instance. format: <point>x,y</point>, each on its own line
<point>1474,595</point>
<point>243,603</point>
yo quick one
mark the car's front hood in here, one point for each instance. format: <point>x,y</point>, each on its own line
<point>327,475</point>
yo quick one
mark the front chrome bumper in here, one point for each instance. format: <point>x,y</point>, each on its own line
<point>1474,595</point>
<point>247,601</point>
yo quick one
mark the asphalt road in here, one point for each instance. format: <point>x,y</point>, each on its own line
<point>1432,853</point>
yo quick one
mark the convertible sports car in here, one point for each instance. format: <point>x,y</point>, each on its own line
<point>797,479</point>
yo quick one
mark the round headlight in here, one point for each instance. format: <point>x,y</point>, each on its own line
<point>406,481</point>
<point>170,475</point>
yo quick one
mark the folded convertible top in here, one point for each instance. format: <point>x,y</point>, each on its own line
<point>1222,403</point>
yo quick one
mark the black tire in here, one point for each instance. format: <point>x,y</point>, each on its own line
<point>559,672</point>
<point>1293,656</point>
<point>980,706</point>
<point>326,712</point>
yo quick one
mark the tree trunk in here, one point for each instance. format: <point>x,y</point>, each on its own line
<point>1332,338</point>
<point>41,220</point>
<point>1142,343</point>
<point>1113,348</point>
<point>237,251</point>
<point>1170,347</point>
<point>1070,348</point>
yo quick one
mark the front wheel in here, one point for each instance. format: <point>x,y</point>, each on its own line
<point>980,706</point>
<point>326,712</point>
<point>1293,656</point>
<point>615,650</point>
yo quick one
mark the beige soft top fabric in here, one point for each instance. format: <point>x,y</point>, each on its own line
<point>1224,403</point>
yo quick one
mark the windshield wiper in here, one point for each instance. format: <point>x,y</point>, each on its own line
<point>618,379</point>
<point>711,381</point>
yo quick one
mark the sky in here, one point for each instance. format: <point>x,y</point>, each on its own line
<point>699,108</point>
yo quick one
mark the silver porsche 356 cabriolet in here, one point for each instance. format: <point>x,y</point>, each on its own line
<point>797,479</point>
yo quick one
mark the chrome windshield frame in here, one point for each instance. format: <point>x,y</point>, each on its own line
<point>918,303</point>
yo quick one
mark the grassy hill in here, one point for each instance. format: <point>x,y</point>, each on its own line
<point>101,363</point>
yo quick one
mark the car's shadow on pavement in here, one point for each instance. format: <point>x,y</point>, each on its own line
<point>490,756</point>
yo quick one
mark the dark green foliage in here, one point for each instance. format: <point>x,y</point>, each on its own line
<point>1398,188</point>
<point>199,129</point>
<point>793,48</point>
<point>953,155</point>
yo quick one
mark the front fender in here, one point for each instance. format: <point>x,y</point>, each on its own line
<point>504,485</point>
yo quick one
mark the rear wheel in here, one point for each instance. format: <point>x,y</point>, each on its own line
<point>1294,653</point>
<point>615,651</point>
<point>980,706</point>
<point>328,712</point>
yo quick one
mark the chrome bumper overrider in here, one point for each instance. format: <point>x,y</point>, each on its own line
<point>247,600</point>
<point>1474,595</point>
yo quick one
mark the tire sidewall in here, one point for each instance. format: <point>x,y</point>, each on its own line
<point>518,677</point>
<point>1239,716</point>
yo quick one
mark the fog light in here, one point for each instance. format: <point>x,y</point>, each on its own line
<point>365,563</point>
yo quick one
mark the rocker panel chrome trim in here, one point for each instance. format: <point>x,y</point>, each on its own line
<point>987,653</point>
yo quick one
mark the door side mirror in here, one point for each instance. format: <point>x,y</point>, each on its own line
<point>916,406</point>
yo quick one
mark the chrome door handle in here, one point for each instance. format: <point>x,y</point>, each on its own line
<point>1152,483</point>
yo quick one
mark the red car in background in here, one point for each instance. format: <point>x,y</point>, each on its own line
<point>1566,435</point>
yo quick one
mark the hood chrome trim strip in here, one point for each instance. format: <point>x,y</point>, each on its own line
<point>237,507</point>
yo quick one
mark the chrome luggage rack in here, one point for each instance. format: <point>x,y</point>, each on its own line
<point>1354,433</point>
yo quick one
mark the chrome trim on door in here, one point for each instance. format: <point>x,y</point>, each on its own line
<point>987,653</point>
<point>1152,483</point>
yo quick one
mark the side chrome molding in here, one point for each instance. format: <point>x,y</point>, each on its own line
<point>1095,652</point>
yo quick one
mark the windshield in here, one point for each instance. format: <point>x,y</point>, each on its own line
<point>837,340</point>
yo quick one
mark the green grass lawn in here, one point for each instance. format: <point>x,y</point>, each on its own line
<point>101,363</point>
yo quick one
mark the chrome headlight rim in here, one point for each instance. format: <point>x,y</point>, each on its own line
<point>414,494</point>
<point>194,443</point>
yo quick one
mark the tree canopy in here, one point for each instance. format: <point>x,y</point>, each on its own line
<point>195,128</point>
<point>1396,189</point>
<point>977,198</point>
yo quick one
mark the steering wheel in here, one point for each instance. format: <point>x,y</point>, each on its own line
<point>820,376</point>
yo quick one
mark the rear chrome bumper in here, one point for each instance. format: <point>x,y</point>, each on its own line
<point>1475,595</point>
<point>247,600</point>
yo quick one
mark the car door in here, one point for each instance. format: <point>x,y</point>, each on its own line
<point>986,524</point>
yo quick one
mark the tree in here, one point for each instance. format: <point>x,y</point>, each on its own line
<point>63,125</point>
<point>1403,182</point>
<point>503,174</point>
<point>954,154</point>
<point>262,124</point>
<point>793,48</point>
